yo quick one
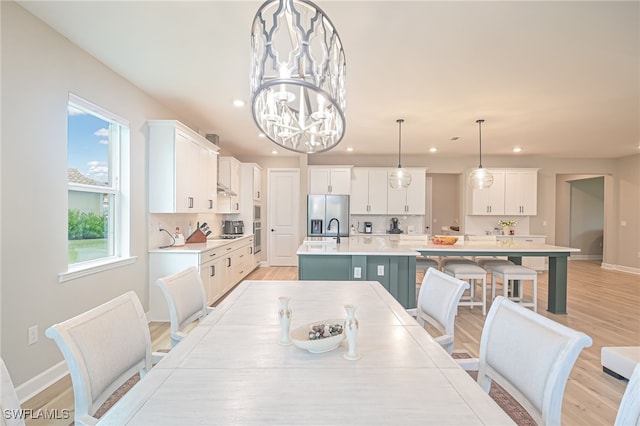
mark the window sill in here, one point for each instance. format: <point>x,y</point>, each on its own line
<point>88,268</point>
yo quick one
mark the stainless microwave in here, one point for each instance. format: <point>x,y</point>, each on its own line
<point>256,212</point>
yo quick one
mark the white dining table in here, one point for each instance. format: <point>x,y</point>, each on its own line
<point>231,369</point>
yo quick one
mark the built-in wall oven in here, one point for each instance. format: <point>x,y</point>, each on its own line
<point>256,212</point>
<point>257,237</point>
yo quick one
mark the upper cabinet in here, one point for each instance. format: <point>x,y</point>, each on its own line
<point>329,180</point>
<point>488,201</point>
<point>368,191</point>
<point>178,160</point>
<point>521,192</point>
<point>257,182</point>
<point>514,192</point>
<point>410,200</point>
<point>229,176</point>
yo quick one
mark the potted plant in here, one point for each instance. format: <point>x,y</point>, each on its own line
<point>506,225</point>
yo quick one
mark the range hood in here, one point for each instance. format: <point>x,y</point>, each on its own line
<point>224,191</point>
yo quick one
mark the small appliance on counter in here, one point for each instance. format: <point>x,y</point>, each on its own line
<point>368,227</point>
<point>395,229</point>
<point>232,228</point>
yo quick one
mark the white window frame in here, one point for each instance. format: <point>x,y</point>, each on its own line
<point>119,233</point>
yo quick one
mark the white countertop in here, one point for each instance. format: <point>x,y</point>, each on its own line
<point>360,245</point>
<point>200,247</point>
<point>378,245</point>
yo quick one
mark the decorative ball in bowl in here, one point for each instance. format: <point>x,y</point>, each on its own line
<point>319,336</point>
<point>446,240</point>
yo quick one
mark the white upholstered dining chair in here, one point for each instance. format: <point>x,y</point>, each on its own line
<point>186,298</point>
<point>11,413</point>
<point>529,355</point>
<point>437,304</point>
<point>103,348</point>
<point>629,409</point>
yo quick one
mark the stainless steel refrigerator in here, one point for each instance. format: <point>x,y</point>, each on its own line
<point>321,209</point>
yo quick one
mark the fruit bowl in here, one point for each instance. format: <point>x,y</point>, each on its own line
<point>300,337</point>
<point>446,240</point>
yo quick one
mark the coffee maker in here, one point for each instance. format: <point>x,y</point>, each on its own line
<point>368,227</point>
<point>394,226</point>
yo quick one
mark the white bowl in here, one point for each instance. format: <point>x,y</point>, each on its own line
<point>300,337</point>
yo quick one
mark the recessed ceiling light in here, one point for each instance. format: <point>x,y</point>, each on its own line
<point>261,135</point>
<point>274,152</point>
<point>238,103</point>
<point>349,149</point>
<point>433,149</point>
<point>517,149</point>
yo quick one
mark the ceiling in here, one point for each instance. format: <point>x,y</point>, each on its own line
<point>558,79</point>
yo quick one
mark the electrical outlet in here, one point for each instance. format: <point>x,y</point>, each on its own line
<point>33,334</point>
<point>357,272</point>
<point>160,227</point>
<point>380,270</point>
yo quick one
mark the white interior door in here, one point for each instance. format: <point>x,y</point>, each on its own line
<point>284,216</point>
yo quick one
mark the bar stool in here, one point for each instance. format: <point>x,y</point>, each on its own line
<point>510,273</point>
<point>423,264</point>
<point>473,273</point>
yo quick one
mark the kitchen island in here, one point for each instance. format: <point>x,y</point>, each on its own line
<point>362,258</point>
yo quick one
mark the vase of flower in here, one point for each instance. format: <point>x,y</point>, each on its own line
<point>506,226</point>
<point>351,331</point>
<point>284,315</point>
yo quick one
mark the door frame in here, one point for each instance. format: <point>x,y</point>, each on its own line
<point>295,203</point>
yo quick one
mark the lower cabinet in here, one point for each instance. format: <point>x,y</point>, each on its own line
<point>397,274</point>
<point>220,268</point>
<point>539,263</point>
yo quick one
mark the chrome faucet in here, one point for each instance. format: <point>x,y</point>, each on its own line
<point>329,227</point>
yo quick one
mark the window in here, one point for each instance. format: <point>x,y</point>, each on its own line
<point>97,213</point>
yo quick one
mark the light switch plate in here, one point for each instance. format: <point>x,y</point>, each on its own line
<point>357,272</point>
<point>380,270</point>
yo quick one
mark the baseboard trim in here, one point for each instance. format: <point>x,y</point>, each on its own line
<point>586,256</point>
<point>628,269</point>
<point>37,384</point>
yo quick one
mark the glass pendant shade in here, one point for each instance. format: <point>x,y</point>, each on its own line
<point>298,71</point>
<point>480,178</point>
<point>399,178</point>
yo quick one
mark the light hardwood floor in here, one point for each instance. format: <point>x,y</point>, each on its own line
<point>603,304</point>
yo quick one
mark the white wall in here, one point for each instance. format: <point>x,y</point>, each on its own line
<point>39,69</point>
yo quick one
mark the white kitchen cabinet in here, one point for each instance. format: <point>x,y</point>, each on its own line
<point>229,176</point>
<point>514,192</point>
<point>368,191</point>
<point>257,183</point>
<point>488,201</point>
<point>179,169</point>
<point>220,269</point>
<point>329,180</point>
<point>212,183</point>
<point>521,192</point>
<point>410,200</point>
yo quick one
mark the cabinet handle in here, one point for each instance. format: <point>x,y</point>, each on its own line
<point>228,262</point>
<point>212,254</point>
<point>258,194</point>
<point>212,270</point>
<point>250,250</point>
<point>237,206</point>
<point>330,188</point>
<point>210,204</point>
<point>190,202</point>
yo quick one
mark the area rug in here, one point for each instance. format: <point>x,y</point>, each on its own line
<point>508,404</point>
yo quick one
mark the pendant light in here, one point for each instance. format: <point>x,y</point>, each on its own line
<point>480,178</point>
<point>399,178</point>
<point>297,81</point>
